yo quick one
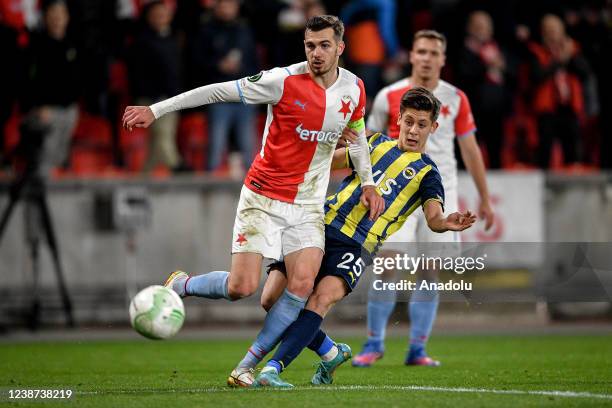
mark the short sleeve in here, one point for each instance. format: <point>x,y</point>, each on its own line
<point>265,87</point>
<point>464,122</point>
<point>359,111</point>
<point>431,187</point>
<point>376,139</point>
<point>378,117</point>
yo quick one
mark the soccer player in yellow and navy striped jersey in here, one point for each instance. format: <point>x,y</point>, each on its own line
<point>406,178</point>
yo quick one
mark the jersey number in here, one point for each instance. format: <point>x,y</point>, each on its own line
<point>347,258</point>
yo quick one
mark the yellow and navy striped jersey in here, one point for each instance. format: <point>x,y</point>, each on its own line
<point>405,180</point>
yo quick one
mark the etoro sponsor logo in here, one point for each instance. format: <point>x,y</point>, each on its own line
<point>316,135</point>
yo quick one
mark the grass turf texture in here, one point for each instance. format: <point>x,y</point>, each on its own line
<point>145,373</point>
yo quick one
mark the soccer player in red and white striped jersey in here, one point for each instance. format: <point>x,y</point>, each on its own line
<point>280,212</point>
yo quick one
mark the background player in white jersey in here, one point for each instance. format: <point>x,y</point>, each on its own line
<point>455,121</point>
<point>280,212</point>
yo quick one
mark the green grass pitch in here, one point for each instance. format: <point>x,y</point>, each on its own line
<point>477,371</point>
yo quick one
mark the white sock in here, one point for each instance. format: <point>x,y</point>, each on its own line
<point>268,369</point>
<point>331,354</point>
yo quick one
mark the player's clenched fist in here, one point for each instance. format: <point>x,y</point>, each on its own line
<point>137,116</point>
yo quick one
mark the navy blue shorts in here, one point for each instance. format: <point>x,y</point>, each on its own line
<point>343,258</point>
<point>346,260</point>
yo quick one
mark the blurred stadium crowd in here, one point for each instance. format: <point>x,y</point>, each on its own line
<point>536,74</point>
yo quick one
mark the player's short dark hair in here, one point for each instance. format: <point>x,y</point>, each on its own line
<point>432,35</point>
<point>318,23</point>
<point>46,4</point>
<point>421,99</point>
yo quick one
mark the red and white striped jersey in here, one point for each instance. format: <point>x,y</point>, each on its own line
<point>303,125</point>
<point>455,120</point>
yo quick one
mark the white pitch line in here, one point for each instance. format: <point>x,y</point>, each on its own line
<point>562,394</point>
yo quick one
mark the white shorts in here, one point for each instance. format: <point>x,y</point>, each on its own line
<point>415,231</point>
<point>275,228</point>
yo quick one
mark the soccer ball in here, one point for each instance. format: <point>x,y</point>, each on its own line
<point>157,312</point>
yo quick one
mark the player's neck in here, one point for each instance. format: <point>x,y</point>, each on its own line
<point>327,79</point>
<point>429,84</point>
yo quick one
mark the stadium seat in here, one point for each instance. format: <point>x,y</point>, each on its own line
<point>134,147</point>
<point>520,142</point>
<point>11,133</point>
<point>91,151</point>
<point>192,140</point>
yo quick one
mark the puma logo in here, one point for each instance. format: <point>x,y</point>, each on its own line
<point>300,104</point>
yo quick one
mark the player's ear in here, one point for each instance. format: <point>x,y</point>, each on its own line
<point>399,118</point>
<point>341,47</point>
<point>434,126</point>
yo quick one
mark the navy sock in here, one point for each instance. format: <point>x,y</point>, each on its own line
<point>321,344</point>
<point>317,341</point>
<point>296,338</point>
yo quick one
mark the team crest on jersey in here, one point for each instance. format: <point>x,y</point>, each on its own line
<point>445,111</point>
<point>255,77</point>
<point>409,173</point>
<point>345,109</point>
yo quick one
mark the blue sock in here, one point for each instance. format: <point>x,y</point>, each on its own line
<point>380,307</point>
<point>284,312</point>
<point>422,310</point>
<point>296,338</point>
<point>321,343</point>
<point>212,285</point>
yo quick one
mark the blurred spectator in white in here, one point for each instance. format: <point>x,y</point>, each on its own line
<point>52,86</point>
<point>558,72</point>
<point>154,67</point>
<point>483,73</point>
<point>224,50</point>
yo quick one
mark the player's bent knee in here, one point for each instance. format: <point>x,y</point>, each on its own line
<point>240,290</point>
<point>300,287</point>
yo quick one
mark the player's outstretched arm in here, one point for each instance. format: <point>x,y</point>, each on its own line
<point>437,222</point>
<point>143,116</point>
